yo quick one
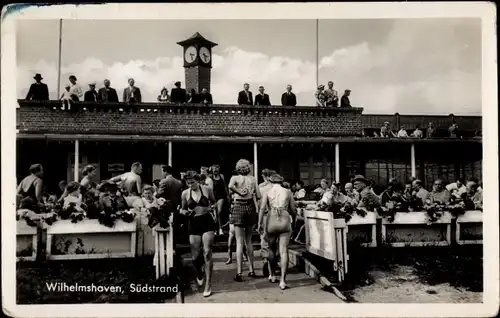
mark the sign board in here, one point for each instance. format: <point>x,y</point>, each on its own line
<point>320,234</point>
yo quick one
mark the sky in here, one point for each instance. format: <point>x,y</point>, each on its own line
<point>410,66</point>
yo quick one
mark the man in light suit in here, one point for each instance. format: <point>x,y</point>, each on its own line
<point>245,96</point>
<point>132,94</point>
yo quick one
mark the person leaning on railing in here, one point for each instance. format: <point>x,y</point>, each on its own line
<point>38,90</point>
<point>205,97</point>
<point>474,196</point>
<point>320,96</point>
<point>164,97</point>
<point>439,193</point>
<point>368,199</point>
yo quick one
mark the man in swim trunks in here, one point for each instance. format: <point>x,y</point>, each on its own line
<point>131,182</point>
<point>30,190</point>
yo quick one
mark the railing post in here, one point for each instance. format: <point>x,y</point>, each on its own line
<point>413,166</point>
<point>170,153</point>
<point>337,162</point>
<point>77,160</point>
<point>255,162</point>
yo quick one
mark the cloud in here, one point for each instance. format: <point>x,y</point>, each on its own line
<point>411,72</point>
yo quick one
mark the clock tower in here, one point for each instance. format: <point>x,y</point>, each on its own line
<point>197,62</point>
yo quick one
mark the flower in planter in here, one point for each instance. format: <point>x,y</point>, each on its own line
<point>128,216</point>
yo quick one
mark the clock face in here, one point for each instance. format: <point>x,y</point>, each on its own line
<point>190,54</point>
<point>205,55</point>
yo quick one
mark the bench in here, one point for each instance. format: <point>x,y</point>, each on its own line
<point>411,229</point>
<point>88,239</point>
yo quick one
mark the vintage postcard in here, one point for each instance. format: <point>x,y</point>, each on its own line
<point>230,160</point>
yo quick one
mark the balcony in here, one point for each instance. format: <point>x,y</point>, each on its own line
<point>159,119</point>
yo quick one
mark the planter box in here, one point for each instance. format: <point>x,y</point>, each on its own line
<point>363,229</point>
<point>88,239</point>
<point>164,251</point>
<point>26,241</point>
<point>411,229</point>
<point>469,228</point>
<point>327,237</point>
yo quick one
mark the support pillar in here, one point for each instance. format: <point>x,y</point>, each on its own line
<point>77,160</point>
<point>255,162</point>
<point>337,162</point>
<point>170,153</point>
<point>413,165</point>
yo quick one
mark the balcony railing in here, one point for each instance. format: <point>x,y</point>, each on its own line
<point>193,119</point>
<point>223,120</point>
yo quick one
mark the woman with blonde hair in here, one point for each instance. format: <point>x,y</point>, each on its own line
<point>244,213</point>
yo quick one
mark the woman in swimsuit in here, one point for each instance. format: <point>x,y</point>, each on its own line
<point>30,190</point>
<point>279,203</point>
<point>244,213</point>
<point>198,203</point>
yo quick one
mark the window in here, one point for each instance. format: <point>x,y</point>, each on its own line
<point>380,171</point>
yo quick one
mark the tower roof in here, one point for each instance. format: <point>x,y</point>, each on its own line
<point>197,38</point>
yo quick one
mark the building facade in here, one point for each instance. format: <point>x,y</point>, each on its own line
<point>301,142</point>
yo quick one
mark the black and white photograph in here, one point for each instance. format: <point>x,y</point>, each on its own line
<point>260,160</point>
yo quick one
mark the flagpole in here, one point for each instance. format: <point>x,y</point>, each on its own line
<point>317,52</point>
<point>59,62</point>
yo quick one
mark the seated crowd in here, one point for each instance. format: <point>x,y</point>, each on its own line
<point>430,132</point>
<point>359,193</point>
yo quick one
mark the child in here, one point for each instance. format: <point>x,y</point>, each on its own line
<point>66,98</point>
<point>74,199</point>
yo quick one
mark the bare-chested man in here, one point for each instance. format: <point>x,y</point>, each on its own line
<point>132,182</point>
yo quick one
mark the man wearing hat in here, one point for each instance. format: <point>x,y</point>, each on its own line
<point>320,96</point>
<point>178,95</point>
<point>344,101</point>
<point>384,130</point>
<point>91,95</point>
<point>38,90</point>
<point>368,198</point>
